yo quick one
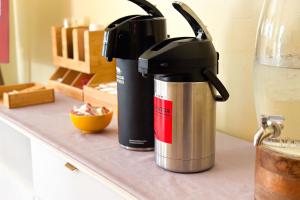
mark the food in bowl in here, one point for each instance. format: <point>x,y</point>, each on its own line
<point>89,110</point>
<point>90,119</point>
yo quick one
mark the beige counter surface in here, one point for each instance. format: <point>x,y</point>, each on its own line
<point>136,172</point>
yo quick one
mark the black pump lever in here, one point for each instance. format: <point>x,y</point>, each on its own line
<point>195,22</point>
<point>148,7</point>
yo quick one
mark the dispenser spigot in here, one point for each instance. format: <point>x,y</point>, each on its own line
<point>271,127</point>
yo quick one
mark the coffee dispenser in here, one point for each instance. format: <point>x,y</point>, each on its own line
<point>126,39</point>
<point>185,97</point>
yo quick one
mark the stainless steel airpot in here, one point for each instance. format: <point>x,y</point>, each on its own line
<point>185,80</point>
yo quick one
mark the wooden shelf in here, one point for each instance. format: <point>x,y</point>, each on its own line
<point>77,55</point>
<point>71,83</point>
<point>79,49</point>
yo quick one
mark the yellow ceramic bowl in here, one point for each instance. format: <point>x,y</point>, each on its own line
<point>91,124</point>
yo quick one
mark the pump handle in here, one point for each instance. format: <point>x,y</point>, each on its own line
<point>148,7</point>
<point>195,22</point>
<point>213,79</point>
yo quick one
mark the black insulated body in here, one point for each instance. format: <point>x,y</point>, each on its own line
<point>125,40</point>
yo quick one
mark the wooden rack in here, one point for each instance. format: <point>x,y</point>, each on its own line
<point>77,54</point>
<point>26,94</point>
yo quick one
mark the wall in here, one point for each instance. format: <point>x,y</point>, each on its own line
<point>232,24</point>
<point>46,14</point>
<point>30,39</point>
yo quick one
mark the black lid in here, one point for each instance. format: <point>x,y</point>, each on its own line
<point>183,55</point>
<point>130,36</point>
<point>184,59</point>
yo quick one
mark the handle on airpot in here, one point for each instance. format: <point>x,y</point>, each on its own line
<point>195,22</point>
<point>215,81</point>
<point>148,7</point>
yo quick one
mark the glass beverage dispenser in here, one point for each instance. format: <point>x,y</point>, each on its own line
<point>277,64</point>
<point>277,98</point>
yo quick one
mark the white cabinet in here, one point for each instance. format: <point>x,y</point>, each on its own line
<point>30,169</point>
<point>15,152</point>
<point>54,181</point>
<point>15,164</point>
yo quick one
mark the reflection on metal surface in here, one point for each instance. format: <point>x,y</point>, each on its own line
<point>137,149</point>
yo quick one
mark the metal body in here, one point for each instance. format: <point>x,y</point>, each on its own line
<point>193,127</point>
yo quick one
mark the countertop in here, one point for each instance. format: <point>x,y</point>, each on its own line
<point>136,172</point>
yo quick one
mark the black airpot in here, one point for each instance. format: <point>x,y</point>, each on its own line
<point>125,40</point>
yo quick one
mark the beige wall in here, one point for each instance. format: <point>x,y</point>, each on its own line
<point>46,14</point>
<point>30,38</point>
<point>232,24</point>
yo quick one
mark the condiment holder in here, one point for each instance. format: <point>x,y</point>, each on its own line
<point>25,94</point>
<point>76,53</point>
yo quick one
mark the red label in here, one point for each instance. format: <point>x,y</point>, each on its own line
<point>163,120</point>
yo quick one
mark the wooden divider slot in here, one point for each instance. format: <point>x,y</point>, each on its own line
<point>103,77</point>
<point>78,43</point>
<point>93,42</point>
<point>56,41</point>
<point>82,80</point>
<point>70,77</point>
<point>67,42</point>
<point>59,74</point>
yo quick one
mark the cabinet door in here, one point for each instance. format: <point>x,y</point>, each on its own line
<point>15,153</point>
<point>15,164</point>
<point>54,181</point>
